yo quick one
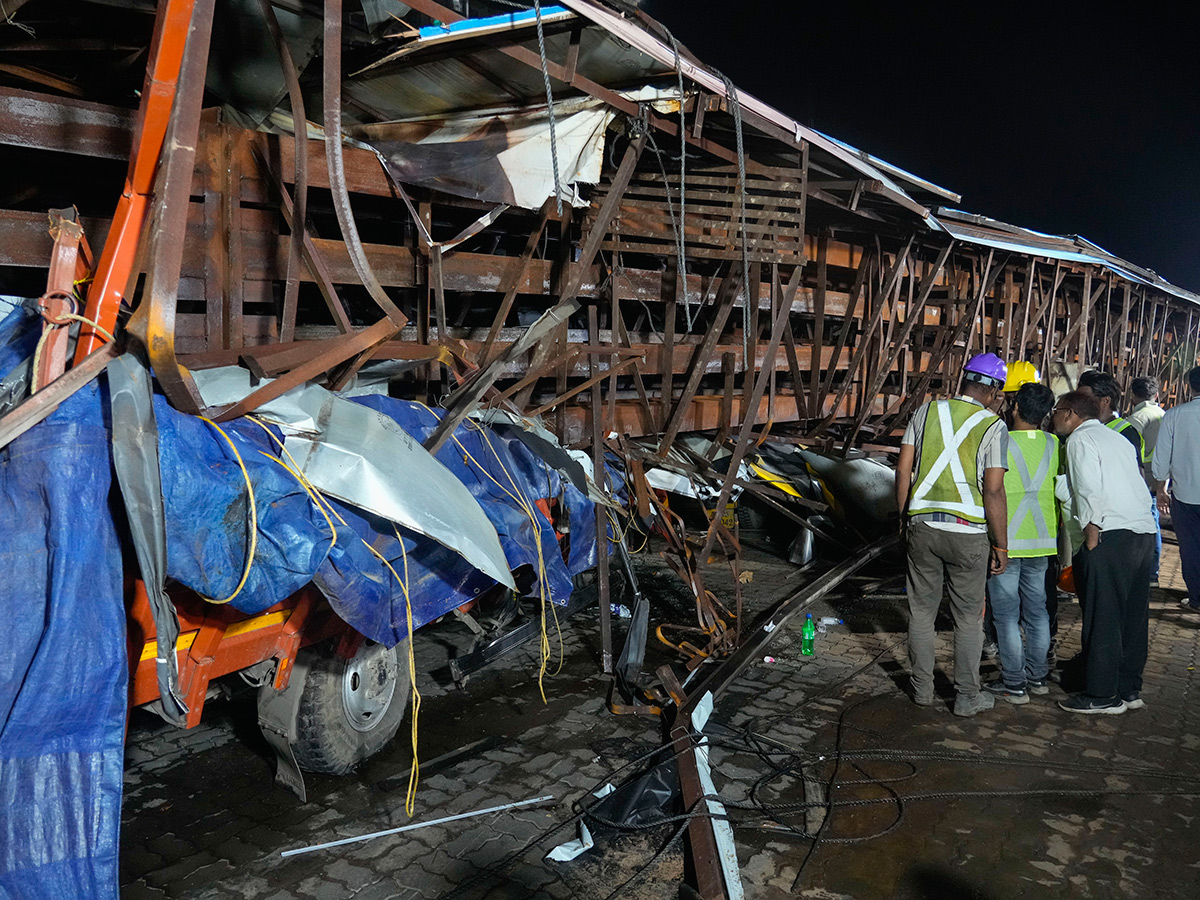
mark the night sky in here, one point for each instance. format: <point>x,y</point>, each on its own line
<point>1058,117</point>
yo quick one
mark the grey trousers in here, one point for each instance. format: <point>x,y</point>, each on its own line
<point>958,560</point>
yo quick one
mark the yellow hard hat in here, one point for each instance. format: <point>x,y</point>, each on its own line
<point>1019,373</point>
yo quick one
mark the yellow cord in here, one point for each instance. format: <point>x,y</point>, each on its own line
<point>253,513</point>
<point>45,336</point>
<point>304,483</point>
<point>322,503</point>
<point>532,513</point>
<point>414,774</point>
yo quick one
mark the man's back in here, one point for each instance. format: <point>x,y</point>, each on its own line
<point>1106,481</point>
<point>1146,417</point>
<point>1177,455</point>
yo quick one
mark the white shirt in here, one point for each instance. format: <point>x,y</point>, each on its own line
<point>1177,455</point>
<point>1146,417</point>
<point>1106,481</point>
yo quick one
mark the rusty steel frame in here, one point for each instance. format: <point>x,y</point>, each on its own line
<point>171,34</point>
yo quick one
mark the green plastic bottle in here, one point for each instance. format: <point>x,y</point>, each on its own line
<point>807,636</point>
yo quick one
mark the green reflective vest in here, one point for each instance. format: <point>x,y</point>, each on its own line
<point>1033,459</point>
<point>1119,425</point>
<point>946,479</point>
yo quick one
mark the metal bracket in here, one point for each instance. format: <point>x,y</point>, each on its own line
<point>277,715</point>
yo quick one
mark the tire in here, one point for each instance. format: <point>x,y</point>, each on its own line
<point>350,708</point>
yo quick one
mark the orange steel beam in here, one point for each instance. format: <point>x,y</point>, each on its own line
<point>158,97</point>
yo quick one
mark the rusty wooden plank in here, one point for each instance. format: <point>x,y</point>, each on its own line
<point>674,284</point>
<point>332,95</point>
<point>514,278</point>
<point>153,322</point>
<point>287,319</point>
<point>891,281</point>
<point>912,315</point>
<point>311,255</point>
<point>465,398</point>
<point>601,511</point>
<point>333,352</point>
<point>748,418</point>
<point>65,125</point>
<point>722,305</point>
<point>860,278</point>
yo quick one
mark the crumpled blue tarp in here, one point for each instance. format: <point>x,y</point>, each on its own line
<point>204,492</point>
<point>63,668</point>
<point>19,333</point>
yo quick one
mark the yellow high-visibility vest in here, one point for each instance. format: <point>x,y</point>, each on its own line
<point>1033,459</point>
<point>946,479</point>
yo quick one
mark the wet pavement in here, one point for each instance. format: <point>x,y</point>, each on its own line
<point>1019,801</point>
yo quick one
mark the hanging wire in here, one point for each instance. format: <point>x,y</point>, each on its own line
<point>537,9</point>
<point>679,232</point>
<point>676,225</point>
<point>732,95</point>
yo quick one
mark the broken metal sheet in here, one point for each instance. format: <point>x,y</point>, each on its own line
<point>364,458</point>
<point>857,487</point>
<point>574,464</point>
<point>243,68</point>
<point>437,79</point>
<point>492,24</point>
<point>664,479</point>
<point>722,830</point>
<point>498,157</point>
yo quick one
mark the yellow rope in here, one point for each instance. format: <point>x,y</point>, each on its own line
<point>322,503</point>
<point>532,513</point>
<point>253,512</point>
<point>45,336</point>
<point>304,483</point>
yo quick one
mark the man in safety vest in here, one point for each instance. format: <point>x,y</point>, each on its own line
<point>1020,373</point>
<point>1107,392</point>
<point>1017,596</point>
<point>950,490</point>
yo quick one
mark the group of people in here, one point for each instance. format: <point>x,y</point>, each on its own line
<point>984,481</point>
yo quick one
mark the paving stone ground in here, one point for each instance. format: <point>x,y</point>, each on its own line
<point>1020,801</point>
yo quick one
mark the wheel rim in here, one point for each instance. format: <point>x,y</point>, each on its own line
<point>368,686</point>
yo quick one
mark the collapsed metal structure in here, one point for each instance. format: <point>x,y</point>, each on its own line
<point>729,270</point>
<point>701,263</point>
<point>560,213</point>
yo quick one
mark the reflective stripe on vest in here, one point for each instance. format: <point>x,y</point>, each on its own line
<point>1029,484</point>
<point>954,429</point>
<point>1119,425</point>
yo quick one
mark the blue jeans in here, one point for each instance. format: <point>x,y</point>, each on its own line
<point>1157,538</point>
<point>1018,600</point>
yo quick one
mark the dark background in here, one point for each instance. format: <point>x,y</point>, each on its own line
<point>1064,118</point>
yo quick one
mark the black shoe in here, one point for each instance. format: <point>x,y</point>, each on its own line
<point>1133,700</point>
<point>1093,706</point>
<point>1014,695</point>
<point>1038,685</point>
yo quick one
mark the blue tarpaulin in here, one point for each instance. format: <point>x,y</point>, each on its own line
<point>204,491</point>
<point>63,675</point>
<point>63,663</point>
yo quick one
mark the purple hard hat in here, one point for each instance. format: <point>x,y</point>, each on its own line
<point>986,368</point>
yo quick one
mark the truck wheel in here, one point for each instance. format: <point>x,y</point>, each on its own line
<point>350,708</point>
